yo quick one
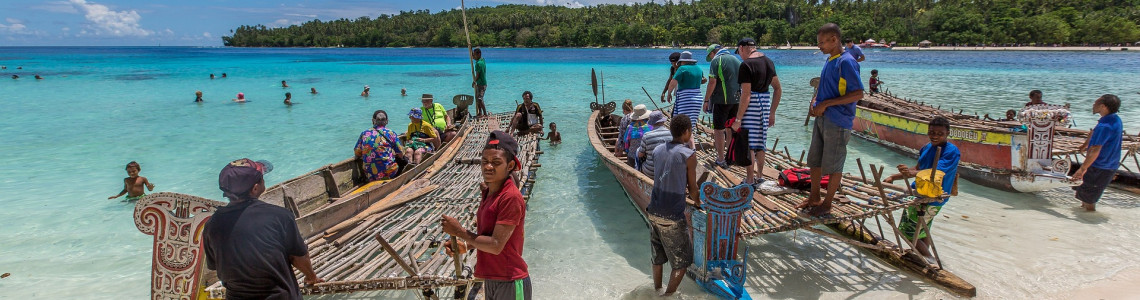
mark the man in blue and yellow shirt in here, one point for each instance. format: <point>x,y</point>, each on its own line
<point>834,108</point>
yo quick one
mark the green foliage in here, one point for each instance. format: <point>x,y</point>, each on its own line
<point>770,22</point>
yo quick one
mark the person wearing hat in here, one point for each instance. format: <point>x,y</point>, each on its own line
<point>499,224</point>
<point>421,137</point>
<point>528,116</point>
<point>688,81</point>
<point>637,128</point>
<point>365,92</point>
<point>435,114</point>
<point>626,112</point>
<point>722,95</point>
<point>378,149</point>
<point>757,72</point>
<point>659,135</point>
<point>674,63</point>
<point>254,245</point>
<point>240,98</point>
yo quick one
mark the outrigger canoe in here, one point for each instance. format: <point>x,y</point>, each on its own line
<point>722,219</point>
<point>1033,154</point>
<point>320,199</point>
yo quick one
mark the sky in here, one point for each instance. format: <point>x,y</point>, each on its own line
<point>191,23</point>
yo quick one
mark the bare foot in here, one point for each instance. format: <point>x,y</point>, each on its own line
<point>809,203</point>
<point>1088,206</point>
<point>820,210</point>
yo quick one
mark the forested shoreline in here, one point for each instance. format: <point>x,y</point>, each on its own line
<point>962,22</point>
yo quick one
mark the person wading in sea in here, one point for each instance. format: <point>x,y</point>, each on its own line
<point>675,175</point>
<point>254,245</point>
<point>1035,98</point>
<point>834,109</point>
<point>756,73</point>
<point>1103,156</point>
<point>499,222</point>
<point>722,96</point>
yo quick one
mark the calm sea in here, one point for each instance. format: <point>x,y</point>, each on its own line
<point>65,140</point>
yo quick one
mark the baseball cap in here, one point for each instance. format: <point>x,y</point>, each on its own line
<point>503,141</point>
<point>674,57</point>
<point>746,42</point>
<point>711,50</point>
<point>238,177</point>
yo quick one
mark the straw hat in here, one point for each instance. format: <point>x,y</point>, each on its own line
<point>639,113</point>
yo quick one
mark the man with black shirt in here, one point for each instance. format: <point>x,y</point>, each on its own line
<point>756,73</point>
<point>528,116</point>
<point>252,244</point>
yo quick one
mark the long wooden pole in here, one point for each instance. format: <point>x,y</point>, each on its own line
<point>470,52</point>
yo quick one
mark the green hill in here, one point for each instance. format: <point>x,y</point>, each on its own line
<point>1041,22</point>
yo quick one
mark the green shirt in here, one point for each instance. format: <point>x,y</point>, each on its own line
<point>689,77</point>
<point>481,72</point>
<point>724,68</point>
<point>436,115</point>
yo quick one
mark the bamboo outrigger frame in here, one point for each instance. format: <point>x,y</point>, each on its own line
<point>864,198</point>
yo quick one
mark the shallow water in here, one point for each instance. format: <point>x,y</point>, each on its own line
<point>65,140</point>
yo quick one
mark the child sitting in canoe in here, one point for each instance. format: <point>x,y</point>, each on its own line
<point>133,184</point>
<point>918,219</point>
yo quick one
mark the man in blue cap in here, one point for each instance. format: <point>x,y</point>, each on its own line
<point>254,245</point>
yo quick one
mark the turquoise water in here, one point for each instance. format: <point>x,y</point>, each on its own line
<point>66,139</point>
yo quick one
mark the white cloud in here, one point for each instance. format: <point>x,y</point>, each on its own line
<point>12,28</point>
<point>14,21</point>
<point>109,22</point>
<point>311,16</point>
<point>283,23</point>
<point>207,35</point>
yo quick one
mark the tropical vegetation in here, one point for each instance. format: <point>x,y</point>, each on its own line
<point>771,22</point>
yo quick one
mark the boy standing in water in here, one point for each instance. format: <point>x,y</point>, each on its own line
<point>874,82</point>
<point>133,184</point>
<point>499,224</point>
<point>675,173</point>
<point>946,161</point>
<point>834,109</point>
<point>554,136</point>
<point>1103,157</point>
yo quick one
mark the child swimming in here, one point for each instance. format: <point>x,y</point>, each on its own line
<point>133,184</point>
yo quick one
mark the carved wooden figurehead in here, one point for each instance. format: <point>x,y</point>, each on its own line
<point>176,222</point>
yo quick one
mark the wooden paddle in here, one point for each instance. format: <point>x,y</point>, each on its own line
<point>815,91</point>
<point>594,83</point>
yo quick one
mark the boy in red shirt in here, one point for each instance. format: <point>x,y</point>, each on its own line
<point>499,224</point>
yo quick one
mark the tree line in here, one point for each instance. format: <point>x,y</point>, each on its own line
<point>770,22</point>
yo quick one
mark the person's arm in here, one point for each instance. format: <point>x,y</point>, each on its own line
<point>708,92</point>
<point>742,107</point>
<point>149,186</point>
<point>305,265</point>
<point>1094,152</point>
<point>850,97</point>
<point>777,91</point>
<point>691,174</point>
<point>211,262</point>
<point>670,88</point>
<point>509,217</point>
<point>121,193</point>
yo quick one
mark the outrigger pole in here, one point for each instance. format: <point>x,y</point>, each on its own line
<point>470,52</point>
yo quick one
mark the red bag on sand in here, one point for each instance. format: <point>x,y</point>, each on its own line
<point>799,178</point>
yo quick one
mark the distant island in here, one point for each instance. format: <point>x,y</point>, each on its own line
<point>907,22</point>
